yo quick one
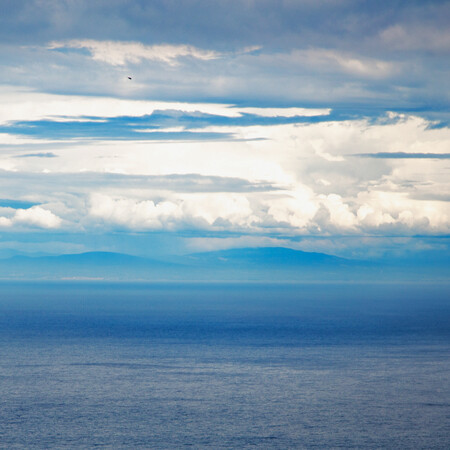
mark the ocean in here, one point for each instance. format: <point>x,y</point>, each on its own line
<point>117,365</point>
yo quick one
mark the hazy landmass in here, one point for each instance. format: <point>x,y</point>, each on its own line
<point>247,264</point>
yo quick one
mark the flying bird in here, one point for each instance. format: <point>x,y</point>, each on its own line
<point>129,78</point>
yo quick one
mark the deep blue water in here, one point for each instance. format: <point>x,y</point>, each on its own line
<point>87,365</point>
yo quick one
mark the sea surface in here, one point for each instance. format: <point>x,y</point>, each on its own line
<point>90,364</point>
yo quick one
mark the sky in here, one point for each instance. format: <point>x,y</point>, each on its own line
<point>313,125</point>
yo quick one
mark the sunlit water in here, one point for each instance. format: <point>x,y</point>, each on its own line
<point>224,366</point>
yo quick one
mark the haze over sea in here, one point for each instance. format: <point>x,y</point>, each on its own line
<point>212,365</point>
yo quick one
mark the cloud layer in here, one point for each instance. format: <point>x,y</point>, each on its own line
<point>293,122</point>
<point>121,53</point>
<point>273,172</point>
<point>329,53</point>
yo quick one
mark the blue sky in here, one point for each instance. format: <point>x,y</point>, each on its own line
<point>314,125</point>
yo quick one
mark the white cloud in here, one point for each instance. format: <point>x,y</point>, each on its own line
<point>35,216</point>
<point>284,112</point>
<point>5,222</point>
<point>380,209</point>
<point>323,186</point>
<point>119,53</point>
<point>300,212</point>
<point>12,139</point>
<point>341,216</point>
<point>198,210</point>
<point>24,104</point>
<point>134,214</point>
<point>212,208</point>
<point>296,208</point>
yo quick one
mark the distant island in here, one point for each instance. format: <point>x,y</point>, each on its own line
<point>270,264</point>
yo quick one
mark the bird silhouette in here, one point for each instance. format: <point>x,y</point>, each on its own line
<point>129,78</point>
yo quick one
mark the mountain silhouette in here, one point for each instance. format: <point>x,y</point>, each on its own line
<point>271,264</point>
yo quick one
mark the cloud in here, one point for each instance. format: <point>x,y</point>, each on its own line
<point>23,104</point>
<point>395,211</point>
<point>207,244</point>
<point>330,60</point>
<point>83,181</point>
<point>284,112</point>
<point>291,176</point>
<point>228,23</point>
<point>163,125</point>
<point>36,216</point>
<point>46,118</point>
<point>294,54</point>
<point>144,215</point>
<point>295,100</point>
<point>296,208</point>
<point>66,131</point>
<point>416,37</point>
<point>121,53</point>
<point>404,155</point>
<point>194,210</point>
<point>307,75</point>
<point>300,212</point>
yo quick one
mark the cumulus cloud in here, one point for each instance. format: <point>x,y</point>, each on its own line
<point>119,53</point>
<point>301,212</point>
<point>195,210</point>
<point>133,214</point>
<point>36,216</point>
<point>296,208</point>
<point>388,210</point>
